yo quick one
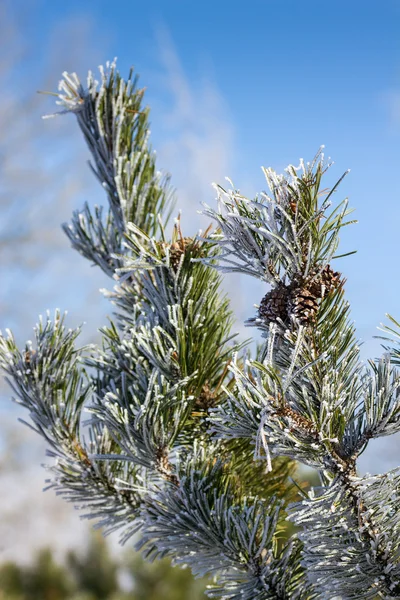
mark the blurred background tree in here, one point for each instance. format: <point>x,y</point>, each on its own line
<point>95,575</point>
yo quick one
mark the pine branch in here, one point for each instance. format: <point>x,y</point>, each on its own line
<point>116,129</point>
<point>189,444</point>
<point>289,234</point>
<point>234,538</point>
<point>350,533</point>
<point>49,381</point>
<point>161,368</point>
<point>310,398</point>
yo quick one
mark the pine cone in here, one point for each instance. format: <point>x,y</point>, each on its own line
<point>309,291</point>
<point>274,305</point>
<point>300,298</point>
<point>304,304</point>
<point>206,399</point>
<point>164,466</point>
<point>330,279</point>
<point>323,283</point>
<point>176,249</point>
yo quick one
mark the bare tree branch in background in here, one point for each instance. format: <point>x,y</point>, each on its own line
<point>34,182</point>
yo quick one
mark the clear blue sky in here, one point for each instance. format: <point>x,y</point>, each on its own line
<point>292,76</point>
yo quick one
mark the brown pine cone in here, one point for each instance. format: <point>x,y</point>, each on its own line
<point>304,305</point>
<point>330,279</point>
<point>301,298</point>
<point>176,249</point>
<point>206,399</point>
<point>274,305</point>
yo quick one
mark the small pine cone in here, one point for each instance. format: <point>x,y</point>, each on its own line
<point>323,283</point>
<point>330,279</point>
<point>176,249</point>
<point>304,305</point>
<point>206,399</point>
<point>274,305</point>
<point>29,357</point>
<point>164,465</point>
<point>300,298</point>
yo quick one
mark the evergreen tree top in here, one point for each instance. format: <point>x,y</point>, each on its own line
<point>191,441</point>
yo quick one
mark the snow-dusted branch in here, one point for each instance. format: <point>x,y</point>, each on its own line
<point>188,442</point>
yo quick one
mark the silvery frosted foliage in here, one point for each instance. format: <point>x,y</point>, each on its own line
<point>116,129</point>
<point>287,239</point>
<point>311,398</point>
<point>271,237</point>
<point>351,533</point>
<point>50,382</point>
<point>348,545</point>
<point>238,536</point>
<point>168,430</point>
<point>127,421</point>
